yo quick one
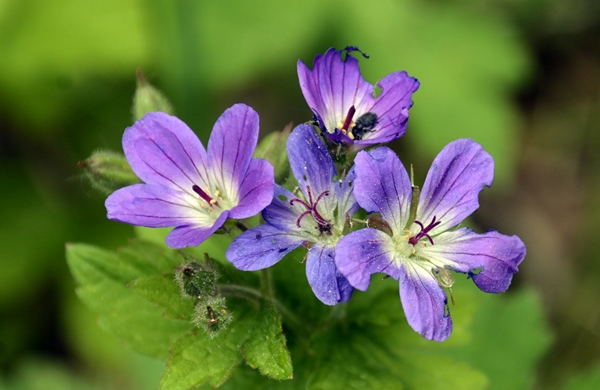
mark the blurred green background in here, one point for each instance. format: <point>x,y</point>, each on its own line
<point>520,77</point>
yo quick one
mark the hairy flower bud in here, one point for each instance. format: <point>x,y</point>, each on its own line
<point>108,171</point>
<point>148,99</point>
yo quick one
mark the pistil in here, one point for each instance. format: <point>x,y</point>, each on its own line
<point>424,231</point>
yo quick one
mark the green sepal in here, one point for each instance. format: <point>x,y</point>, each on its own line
<point>108,171</point>
<point>148,99</point>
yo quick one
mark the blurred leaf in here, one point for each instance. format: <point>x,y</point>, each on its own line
<point>197,358</point>
<point>102,277</point>
<point>468,64</point>
<point>510,337</point>
<point>164,291</point>
<point>43,58</point>
<point>584,381</point>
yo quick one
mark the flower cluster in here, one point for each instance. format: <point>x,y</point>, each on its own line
<point>410,235</point>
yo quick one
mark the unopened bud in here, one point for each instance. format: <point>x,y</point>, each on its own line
<point>148,99</point>
<point>212,316</point>
<point>197,280</point>
<point>108,171</point>
<point>272,148</point>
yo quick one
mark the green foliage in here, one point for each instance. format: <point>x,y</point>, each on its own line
<point>102,277</point>
<point>584,381</point>
<point>510,335</point>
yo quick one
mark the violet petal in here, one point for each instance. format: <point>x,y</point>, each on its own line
<point>455,179</point>
<point>424,302</point>
<point>256,190</point>
<point>382,185</point>
<point>193,235</point>
<point>327,283</point>
<point>261,247</point>
<point>498,256</point>
<point>364,252</point>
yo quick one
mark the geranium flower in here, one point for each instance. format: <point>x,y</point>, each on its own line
<point>317,219</point>
<point>422,249</point>
<point>345,105</point>
<point>186,186</point>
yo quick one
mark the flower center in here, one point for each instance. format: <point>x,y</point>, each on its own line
<point>323,225</point>
<point>211,202</point>
<point>424,233</point>
<point>356,130</point>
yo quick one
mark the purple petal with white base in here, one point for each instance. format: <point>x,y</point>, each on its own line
<point>186,187</point>
<point>498,256</point>
<point>424,302</point>
<point>261,247</point>
<point>316,214</point>
<point>327,282</point>
<point>338,95</point>
<point>456,177</point>
<point>383,177</point>
<point>419,252</point>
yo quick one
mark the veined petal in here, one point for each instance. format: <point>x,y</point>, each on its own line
<point>333,86</point>
<point>347,204</point>
<point>391,107</point>
<point>496,255</point>
<point>280,213</point>
<point>455,179</point>
<point>231,145</point>
<point>256,190</point>
<point>382,185</point>
<point>261,247</point>
<point>155,206</point>
<point>326,281</point>
<point>162,150</point>
<point>311,163</point>
<point>193,235</point>
<point>424,302</point>
<point>364,252</point>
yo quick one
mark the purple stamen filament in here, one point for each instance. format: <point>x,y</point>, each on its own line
<point>424,231</point>
<point>204,195</point>
<point>348,120</point>
<point>311,209</point>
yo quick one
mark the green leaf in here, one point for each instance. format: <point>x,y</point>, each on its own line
<point>197,358</point>
<point>253,334</point>
<point>102,276</point>
<point>266,349</point>
<point>164,291</point>
<point>510,337</point>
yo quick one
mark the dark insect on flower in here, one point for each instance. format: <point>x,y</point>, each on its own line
<point>364,124</point>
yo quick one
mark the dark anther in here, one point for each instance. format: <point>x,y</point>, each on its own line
<point>324,226</point>
<point>204,195</point>
<point>424,231</point>
<point>210,316</point>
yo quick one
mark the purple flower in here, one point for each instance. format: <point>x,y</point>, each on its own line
<point>186,186</point>
<point>423,248</point>
<point>344,103</point>
<point>317,218</point>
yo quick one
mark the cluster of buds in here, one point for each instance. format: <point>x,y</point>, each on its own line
<point>198,282</point>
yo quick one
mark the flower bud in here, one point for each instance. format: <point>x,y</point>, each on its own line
<point>212,316</point>
<point>197,280</point>
<point>272,148</point>
<point>148,99</point>
<point>108,171</point>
